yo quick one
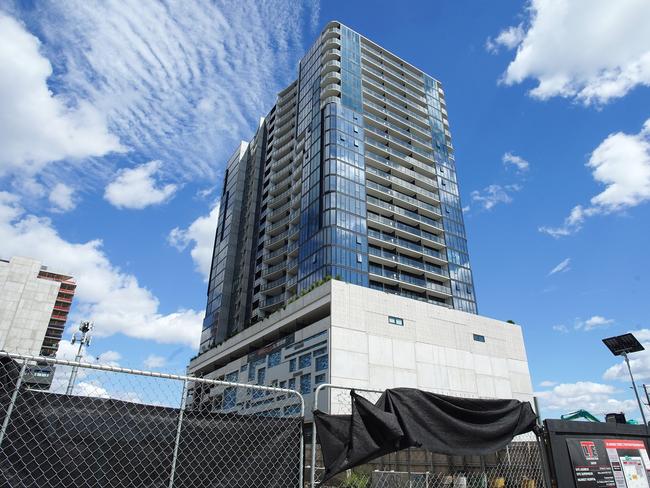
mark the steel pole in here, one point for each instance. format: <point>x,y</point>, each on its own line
<point>177,441</point>
<point>73,373</point>
<point>627,361</point>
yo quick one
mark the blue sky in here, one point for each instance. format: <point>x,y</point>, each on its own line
<point>118,120</point>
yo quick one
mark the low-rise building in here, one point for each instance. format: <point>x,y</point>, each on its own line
<point>34,307</point>
<point>357,337</point>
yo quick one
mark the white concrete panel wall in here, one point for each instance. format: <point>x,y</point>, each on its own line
<point>434,350</point>
<point>26,304</point>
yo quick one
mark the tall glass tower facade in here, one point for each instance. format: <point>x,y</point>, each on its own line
<point>350,176</point>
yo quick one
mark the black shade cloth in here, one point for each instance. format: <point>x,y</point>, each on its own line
<point>62,441</point>
<point>406,417</point>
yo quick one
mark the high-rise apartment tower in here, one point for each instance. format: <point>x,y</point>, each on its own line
<point>352,176</point>
<point>340,253</point>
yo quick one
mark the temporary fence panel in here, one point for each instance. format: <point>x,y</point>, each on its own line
<point>115,427</point>
<point>519,465</point>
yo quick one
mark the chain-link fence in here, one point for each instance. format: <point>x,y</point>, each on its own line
<point>518,465</point>
<point>95,425</point>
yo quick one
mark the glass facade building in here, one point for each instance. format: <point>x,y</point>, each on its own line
<point>351,176</point>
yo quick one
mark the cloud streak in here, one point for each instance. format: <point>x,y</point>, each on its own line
<point>562,267</point>
<point>186,81</point>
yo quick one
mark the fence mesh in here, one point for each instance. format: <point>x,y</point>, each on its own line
<point>518,465</point>
<point>116,428</point>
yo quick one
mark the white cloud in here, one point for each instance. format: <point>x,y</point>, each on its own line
<point>492,195</point>
<point>137,188</point>
<point>509,38</point>
<point>517,161</point>
<point>36,125</point>
<point>622,164</point>
<point>562,267</point>
<point>639,361</point>
<point>62,197</point>
<point>596,398</point>
<point>184,83</point>
<point>589,50</point>
<point>594,322</point>
<point>547,383</point>
<point>561,328</point>
<point>111,298</point>
<point>154,362</point>
<point>200,236</point>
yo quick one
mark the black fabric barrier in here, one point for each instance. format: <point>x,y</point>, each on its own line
<point>406,417</point>
<point>61,441</point>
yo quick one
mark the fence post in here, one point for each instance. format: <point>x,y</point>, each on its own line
<point>5,423</point>
<point>178,434</point>
<point>313,438</point>
<point>302,443</point>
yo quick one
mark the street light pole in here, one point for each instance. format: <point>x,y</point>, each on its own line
<point>83,336</point>
<point>627,361</point>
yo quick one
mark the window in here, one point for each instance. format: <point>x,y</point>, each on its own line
<point>274,359</point>
<point>395,320</point>
<point>243,368</point>
<point>322,363</point>
<point>261,376</point>
<point>320,378</point>
<point>305,384</point>
<point>292,410</point>
<point>479,338</point>
<point>304,361</point>
<point>320,351</point>
<point>292,365</point>
<point>292,383</point>
<point>229,398</point>
<point>283,384</point>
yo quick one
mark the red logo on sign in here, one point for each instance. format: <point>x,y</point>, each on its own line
<point>589,450</point>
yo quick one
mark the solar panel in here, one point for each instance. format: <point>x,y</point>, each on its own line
<point>623,344</point>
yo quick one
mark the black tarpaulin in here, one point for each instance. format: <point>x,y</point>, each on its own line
<point>60,441</point>
<point>406,417</point>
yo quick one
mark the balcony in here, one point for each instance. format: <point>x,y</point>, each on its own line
<point>274,285</point>
<point>332,32</point>
<point>331,90</point>
<point>386,256</point>
<point>279,187</point>
<point>425,142</point>
<point>403,185</point>
<point>375,107</point>
<point>387,91</point>
<point>427,155</point>
<point>403,213</point>
<point>405,112</point>
<point>383,163</point>
<point>387,69</point>
<point>429,169</point>
<point>331,55</point>
<point>406,279</point>
<point>389,57</point>
<point>393,225</point>
<point>397,85</point>
<point>330,77</point>
<point>272,301</point>
<point>383,191</point>
<point>330,66</point>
